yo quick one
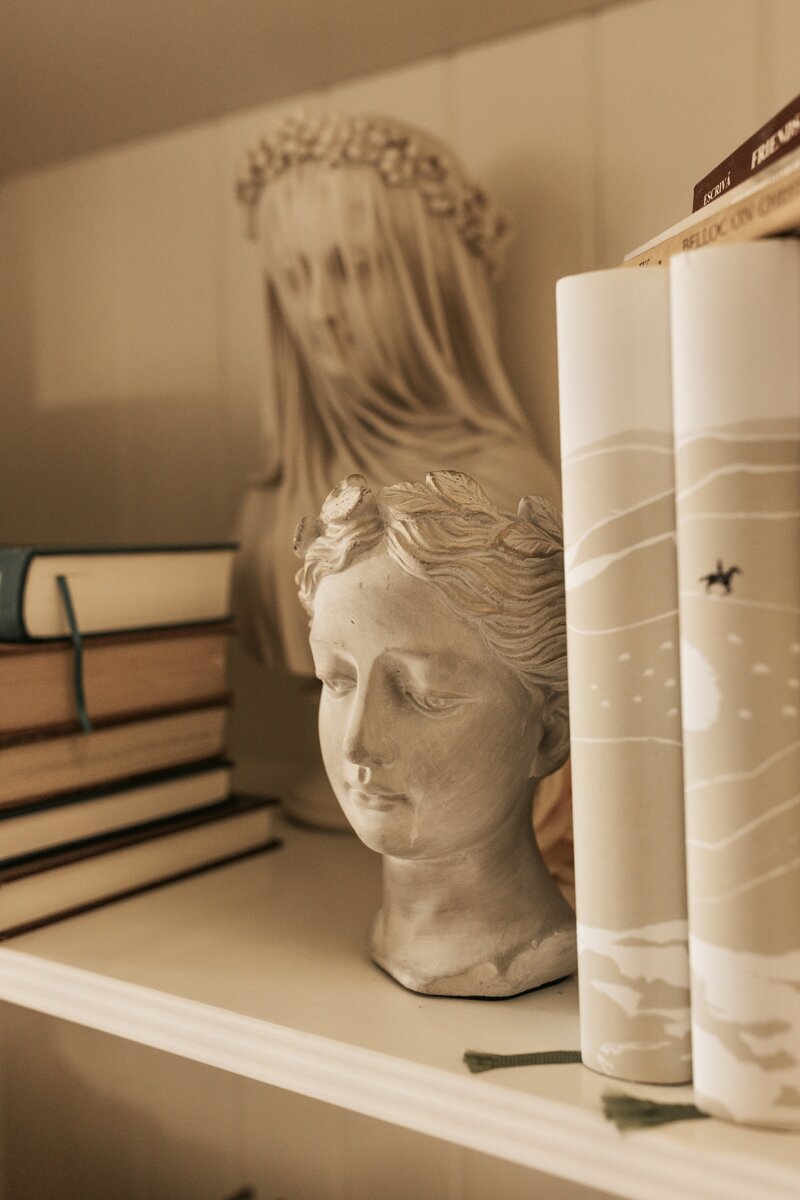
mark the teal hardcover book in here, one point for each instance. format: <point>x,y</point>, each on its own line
<point>111,588</point>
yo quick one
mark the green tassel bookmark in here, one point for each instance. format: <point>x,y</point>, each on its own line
<point>477,1061</point>
<point>629,1112</point>
<point>77,653</point>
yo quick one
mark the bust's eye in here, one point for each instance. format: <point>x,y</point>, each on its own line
<point>433,702</point>
<point>338,685</point>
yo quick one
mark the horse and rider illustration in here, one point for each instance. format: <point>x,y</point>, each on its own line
<point>722,576</point>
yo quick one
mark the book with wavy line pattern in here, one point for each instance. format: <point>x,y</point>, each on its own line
<point>736,378</point>
<point>619,533</point>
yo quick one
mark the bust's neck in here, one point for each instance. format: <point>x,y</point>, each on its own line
<point>488,920</point>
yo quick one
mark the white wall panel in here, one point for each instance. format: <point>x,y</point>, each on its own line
<point>114,369</point>
<point>417,93</point>
<point>675,91</point>
<point>778,57</point>
<point>74,250</point>
<point>240,299</point>
<point>18,457</point>
<point>521,117</point>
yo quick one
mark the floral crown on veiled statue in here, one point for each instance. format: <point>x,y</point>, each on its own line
<point>402,157</point>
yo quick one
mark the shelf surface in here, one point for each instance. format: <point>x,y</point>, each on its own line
<point>261,968</point>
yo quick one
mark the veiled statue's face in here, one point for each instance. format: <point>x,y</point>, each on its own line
<point>323,255</point>
<point>427,737</point>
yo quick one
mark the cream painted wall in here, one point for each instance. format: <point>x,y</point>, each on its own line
<point>131,344</point>
<point>131,334</point>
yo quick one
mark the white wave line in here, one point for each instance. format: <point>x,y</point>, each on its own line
<point>784,752</point>
<point>671,612</point>
<point>604,561</point>
<point>582,456</point>
<point>687,439</point>
<point>572,549</point>
<point>738,516</point>
<point>619,740</point>
<point>736,469</point>
<point>732,601</point>
<point>749,884</point>
<point>770,815</point>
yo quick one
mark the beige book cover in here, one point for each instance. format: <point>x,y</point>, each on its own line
<point>736,371</point>
<point>624,689</point>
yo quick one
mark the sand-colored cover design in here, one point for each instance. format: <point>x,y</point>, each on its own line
<point>736,323</point>
<point>623,645</point>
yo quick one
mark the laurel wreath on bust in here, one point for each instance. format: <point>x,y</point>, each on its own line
<point>402,158</point>
<point>535,530</point>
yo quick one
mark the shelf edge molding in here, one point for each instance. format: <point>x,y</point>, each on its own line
<point>545,1135</point>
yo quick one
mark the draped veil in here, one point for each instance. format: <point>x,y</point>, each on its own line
<point>420,385</point>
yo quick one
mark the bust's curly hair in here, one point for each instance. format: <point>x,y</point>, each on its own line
<point>501,571</point>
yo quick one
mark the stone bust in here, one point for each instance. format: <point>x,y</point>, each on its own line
<point>438,632</point>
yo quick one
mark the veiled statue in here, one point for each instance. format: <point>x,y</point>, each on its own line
<point>378,257</point>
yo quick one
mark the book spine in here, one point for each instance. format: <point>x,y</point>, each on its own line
<point>113,787</point>
<point>736,372</point>
<point>14,563</point>
<point>763,211</point>
<point>765,147</point>
<point>622,638</point>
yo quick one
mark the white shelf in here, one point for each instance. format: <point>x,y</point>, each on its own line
<point>260,969</point>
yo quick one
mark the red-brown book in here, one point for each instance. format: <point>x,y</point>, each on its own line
<point>124,675</point>
<point>47,765</point>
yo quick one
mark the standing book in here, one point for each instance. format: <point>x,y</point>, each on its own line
<point>622,645</point>
<point>112,588</point>
<point>736,373</point>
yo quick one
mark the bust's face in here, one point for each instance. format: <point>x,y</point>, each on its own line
<point>427,737</point>
<point>323,254</point>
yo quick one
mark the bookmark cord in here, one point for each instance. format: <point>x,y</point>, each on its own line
<point>631,1112</point>
<point>477,1061</point>
<point>77,655</point>
<point>627,1112</point>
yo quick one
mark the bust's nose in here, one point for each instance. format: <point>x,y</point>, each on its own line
<point>368,741</point>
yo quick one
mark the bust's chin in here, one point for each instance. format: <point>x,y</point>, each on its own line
<point>527,966</point>
<point>391,833</point>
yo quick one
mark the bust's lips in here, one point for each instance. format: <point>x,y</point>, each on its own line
<point>375,798</point>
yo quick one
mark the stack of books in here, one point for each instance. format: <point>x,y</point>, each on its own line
<point>113,706</point>
<point>754,192</point>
